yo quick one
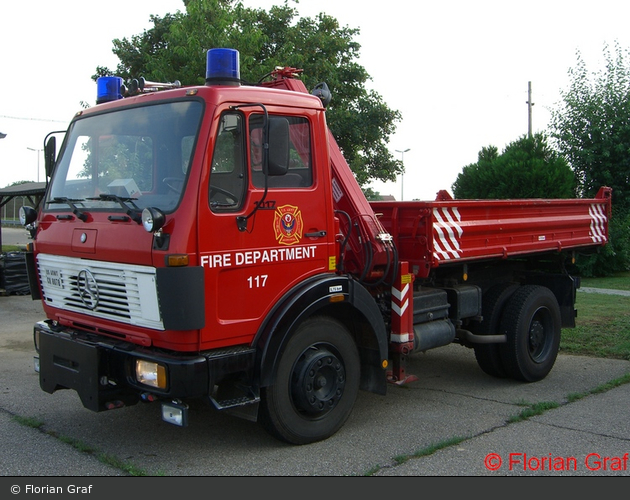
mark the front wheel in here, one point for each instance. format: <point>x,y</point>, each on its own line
<point>531,320</point>
<point>316,383</point>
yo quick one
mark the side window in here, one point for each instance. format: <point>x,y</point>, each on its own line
<point>300,172</point>
<point>227,178</point>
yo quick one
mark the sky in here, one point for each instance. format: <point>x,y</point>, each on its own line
<point>458,71</point>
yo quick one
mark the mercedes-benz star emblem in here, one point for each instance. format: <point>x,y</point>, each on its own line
<point>88,289</point>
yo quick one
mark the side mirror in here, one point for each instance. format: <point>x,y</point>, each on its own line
<point>50,154</point>
<point>278,145</point>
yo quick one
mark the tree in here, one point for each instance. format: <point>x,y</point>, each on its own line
<point>591,127</point>
<point>175,49</point>
<point>527,168</point>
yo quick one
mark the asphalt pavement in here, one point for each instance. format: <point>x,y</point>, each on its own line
<point>386,436</point>
<point>15,236</point>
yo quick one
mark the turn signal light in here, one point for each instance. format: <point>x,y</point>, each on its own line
<point>177,260</point>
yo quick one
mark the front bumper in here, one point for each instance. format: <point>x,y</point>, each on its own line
<point>102,370</point>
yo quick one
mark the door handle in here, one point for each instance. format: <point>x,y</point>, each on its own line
<point>316,234</point>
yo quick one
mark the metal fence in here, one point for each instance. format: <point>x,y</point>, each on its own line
<point>9,212</point>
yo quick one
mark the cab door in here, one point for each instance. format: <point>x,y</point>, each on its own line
<point>266,223</point>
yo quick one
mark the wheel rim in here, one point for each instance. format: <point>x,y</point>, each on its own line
<point>318,381</point>
<point>540,335</point>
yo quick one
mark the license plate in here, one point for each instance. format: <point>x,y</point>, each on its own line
<point>52,276</point>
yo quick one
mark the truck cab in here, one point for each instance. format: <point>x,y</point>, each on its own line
<point>228,238</point>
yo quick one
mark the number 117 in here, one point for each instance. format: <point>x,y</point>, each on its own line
<point>257,281</point>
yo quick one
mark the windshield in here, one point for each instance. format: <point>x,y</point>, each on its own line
<point>134,156</point>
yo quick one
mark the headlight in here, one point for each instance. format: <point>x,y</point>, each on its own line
<point>152,219</point>
<point>27,215</point>
<point>151,374</point>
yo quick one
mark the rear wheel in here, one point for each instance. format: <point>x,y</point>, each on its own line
<point>532,323</point>
<point>488,355</point>
<point>316,383</point>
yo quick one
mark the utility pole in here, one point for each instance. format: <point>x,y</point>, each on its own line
<point>37,151</point>
<point>529,109</point>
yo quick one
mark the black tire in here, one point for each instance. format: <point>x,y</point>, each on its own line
<point>532,323</point>
<point>488,356</point>
<point>316,383</point>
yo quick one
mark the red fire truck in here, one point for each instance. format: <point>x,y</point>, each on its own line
<point>211,243</point>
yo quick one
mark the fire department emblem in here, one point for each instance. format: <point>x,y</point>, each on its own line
<point>288,224</point>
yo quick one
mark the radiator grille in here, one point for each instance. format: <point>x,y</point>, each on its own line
<point>119,292</point>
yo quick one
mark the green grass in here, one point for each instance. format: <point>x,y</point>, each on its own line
<point>576,396</point>
<point>620,281</point>
<point>602,327</point>
<point>424,452</point>
<point>10,248</point>
<point>105,458</point>
<point>534,410</point>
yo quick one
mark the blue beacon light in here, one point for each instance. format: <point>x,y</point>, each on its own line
<point>108,88</point>
<point>223,67</point>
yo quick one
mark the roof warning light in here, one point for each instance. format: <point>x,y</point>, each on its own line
<point>223,67</point>
<point>108,88</point>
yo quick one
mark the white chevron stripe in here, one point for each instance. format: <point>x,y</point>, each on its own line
<point>400,310</point>
<point>446,241</point>
<point>400,294</point>
<point>598,223</point>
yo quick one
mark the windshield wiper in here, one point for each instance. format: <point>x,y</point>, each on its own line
<point>70,202</point>
<point>132,211</point>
